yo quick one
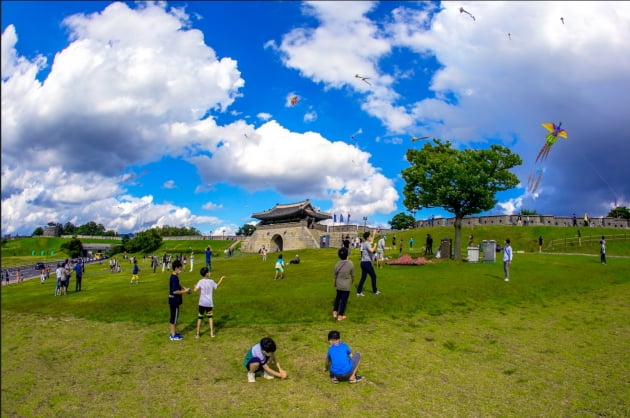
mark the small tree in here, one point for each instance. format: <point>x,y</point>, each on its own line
<point>246,230</point>
<point>73,248</point>
<point>402,221</point>
<point>462,182</point>
<point>39,231</point>
<point>620,212</point>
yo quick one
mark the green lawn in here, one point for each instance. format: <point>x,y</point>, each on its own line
<point>445,339</point>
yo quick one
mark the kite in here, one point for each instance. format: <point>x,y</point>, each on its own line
<point>555,131</point>
<point>562,20</point>
<point>294,100</point>
<point>461,10</point>
<point>509,36</point>
<point>363,78</point>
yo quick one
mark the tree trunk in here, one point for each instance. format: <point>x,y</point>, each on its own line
<point>458,238</point>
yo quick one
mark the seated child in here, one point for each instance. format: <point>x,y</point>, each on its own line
<point>340,361</point>
<point>295,260</point>
<point>258,358</point>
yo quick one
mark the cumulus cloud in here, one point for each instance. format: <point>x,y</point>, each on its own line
<point>110,99</point>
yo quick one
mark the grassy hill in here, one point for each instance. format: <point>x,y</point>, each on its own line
<point>444,339</point>
<point>524,238</point>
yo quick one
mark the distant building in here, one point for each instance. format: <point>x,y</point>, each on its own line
<point>292,212</point>
<point>52,231</point>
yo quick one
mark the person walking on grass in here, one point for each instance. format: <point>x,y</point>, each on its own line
<point>258,359</point>
<point>341,362</point>
<point>134,272</point>
<point>344,276</point>
<point>206,287</point>
<point>602,250</point>
<point>507,259</point>
<point>367,255</point>
<point>175,300</point>
<point>540,243</point>
<point>279,268</point>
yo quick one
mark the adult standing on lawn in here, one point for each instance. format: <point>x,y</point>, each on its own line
<point>78,272</point>
<point>344,276</point>
<point>507,259</point>
<point>602,250</point>
<point>367,255</point>
<point>209,257</point>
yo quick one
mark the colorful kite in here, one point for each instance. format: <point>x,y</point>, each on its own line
<point>294,100</point>
<point>363,78</point>
<point>461,10</point>
<point>555,131</point>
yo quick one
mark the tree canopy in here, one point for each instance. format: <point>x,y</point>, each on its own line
<point>463,182</point>
<point>620,212</point>
<point>402,221</point>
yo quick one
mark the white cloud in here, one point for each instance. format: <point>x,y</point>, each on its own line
<point>169,184</point>
<point>310,116</point>
<point>212,206</point>
<point>264,116</point>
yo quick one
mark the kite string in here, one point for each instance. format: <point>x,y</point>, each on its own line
<point>601,177</point>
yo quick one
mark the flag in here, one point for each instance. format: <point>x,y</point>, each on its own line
<point>335,218</point>
<point>341,218</point>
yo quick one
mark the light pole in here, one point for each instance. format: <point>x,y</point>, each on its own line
<point>364,223</point>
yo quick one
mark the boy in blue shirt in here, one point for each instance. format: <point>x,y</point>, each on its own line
<point>341,361</point>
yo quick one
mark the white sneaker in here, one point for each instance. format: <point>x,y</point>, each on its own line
<point>507,280</point>
<point>360,294</point>
<point>378,292</point>
<point>268,376</point>
<point>251,377</point>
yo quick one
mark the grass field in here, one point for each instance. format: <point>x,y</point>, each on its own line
<point>445,339</point>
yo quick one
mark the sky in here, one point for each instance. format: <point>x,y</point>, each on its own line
<point>143,114</point>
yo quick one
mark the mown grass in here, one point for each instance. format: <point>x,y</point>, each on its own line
<point>444,339</point>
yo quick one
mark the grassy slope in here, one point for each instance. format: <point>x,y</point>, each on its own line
<point>445,339</point>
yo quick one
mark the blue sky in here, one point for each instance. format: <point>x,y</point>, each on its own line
<point>146,114</point>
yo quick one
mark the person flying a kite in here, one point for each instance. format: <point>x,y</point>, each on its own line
<point>461,10</point>
<point>363,78</point>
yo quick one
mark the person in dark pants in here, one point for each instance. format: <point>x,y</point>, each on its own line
<point>344,276</point>
<point>78,270</point>
<point>429,245</point>
<point>367,255</point>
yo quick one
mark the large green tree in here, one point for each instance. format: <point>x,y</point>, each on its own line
<point>463,182</point>
<point>402,221</point>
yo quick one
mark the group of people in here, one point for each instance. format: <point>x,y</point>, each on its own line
<point>63,274</point>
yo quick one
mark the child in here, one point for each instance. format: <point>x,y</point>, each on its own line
<point>134,272</point>
<point>507,259</point>
<point>340,361</point>
<point>344,276</point>
<point>258,358</point>
<point>175,300</point>
<point>279,268</point>
<point>207,286</point>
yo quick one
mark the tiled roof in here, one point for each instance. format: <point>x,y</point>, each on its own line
<point>292,211</point>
